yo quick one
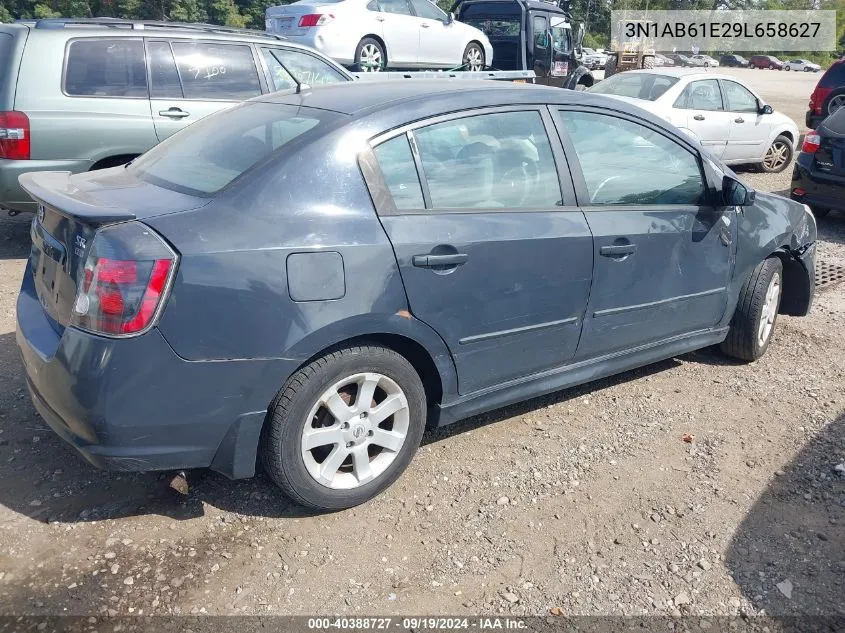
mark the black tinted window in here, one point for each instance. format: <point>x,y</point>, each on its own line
<point>106,68</point>
<point>645,167</point>
<point>834,77</point>
<point>164,78</point>
<point>400,173</point>
<point>205,157</point>
<point>216,71</point>
<point>501,160</point>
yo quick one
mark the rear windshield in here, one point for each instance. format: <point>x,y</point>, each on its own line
<point>494,19</point>
<point>834,77</point>
<point>834,125</point>
<point>205,157</point>
<point>646,86</point>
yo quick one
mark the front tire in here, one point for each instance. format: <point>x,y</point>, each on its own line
<point>778,156</point>
<point>786,68</point>
<point>344,427</point>
<point>473,58</point>
<point>648,61</point>
<point>756,312</point>
<point>370,56</point>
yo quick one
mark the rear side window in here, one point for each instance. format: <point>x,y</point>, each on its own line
<point>498,160</point>
<point>210,70</point>
<point>400,173</point>
<point>834,77</point>
<point>305,68</point>
<point>701,95</point>
<point>395,6</point>
<point>645,168</point>
<point>205,157</point>
<point>106,68</point>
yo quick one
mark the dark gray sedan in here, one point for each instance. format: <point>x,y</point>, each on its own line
<point>310,278</point>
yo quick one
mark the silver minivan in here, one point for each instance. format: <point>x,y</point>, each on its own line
<point>78,95</point>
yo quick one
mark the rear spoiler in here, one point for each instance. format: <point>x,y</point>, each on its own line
<point>499,75</point>
<point>54,189</point>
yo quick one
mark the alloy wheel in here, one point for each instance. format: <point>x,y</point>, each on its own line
<point>474,59</point>
<point>370,58</point>
<point>777,155</point>
<point>770,310</point>
<point>355,430</point>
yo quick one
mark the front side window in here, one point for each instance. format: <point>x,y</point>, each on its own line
<point>106,68</point>
<point>701,95</point>
<point>400,172</point>
<point>739,98</point>
<point>541,38</point>
<point>562,39</point>
<point>428,10</point>
<point>498,160</point>
<point>210,70</point>
<point>206,156</point>
<point>645,167</point>
<point>305,68</point>
<point>395,6</point>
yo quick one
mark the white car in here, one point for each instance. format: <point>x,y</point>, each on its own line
<point>703,60</point>
<point>373,35</point>
<point>802,64</point>
<point>593,59</point>
<point>722,113</point>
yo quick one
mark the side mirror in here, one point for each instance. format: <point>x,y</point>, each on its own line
<point>450,17</point>
<point>766,109</point>
<point>735,194</point>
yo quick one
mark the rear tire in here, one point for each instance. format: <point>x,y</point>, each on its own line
<point>473,58</point>
<point>834,101</point>
<point>610,66</point>
<point>753,322</point>
<point>370,56</point>
<point>326,450</point>
<point>648,61</point>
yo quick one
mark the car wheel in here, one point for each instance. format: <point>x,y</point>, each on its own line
<point>370,56</point>
<point>473,59</point>
<point>835,101</point>
<point>756,312</point>
<point>344,427</point>
<point>820,212</point>
<point>648,61</point>
<point>778,156</point>
<point>786,68</point>
<point>707,64</point>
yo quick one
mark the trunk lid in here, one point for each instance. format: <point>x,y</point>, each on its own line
<point>285,19</point>
<point>70,210</point>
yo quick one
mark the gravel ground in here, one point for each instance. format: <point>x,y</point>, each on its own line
<point>588,501</point>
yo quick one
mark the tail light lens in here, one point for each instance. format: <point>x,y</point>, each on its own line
<point>125,280</point>
<point>315,19</point>
<point>14,135</point>
<point>817,98</point>
<point>811,142</point>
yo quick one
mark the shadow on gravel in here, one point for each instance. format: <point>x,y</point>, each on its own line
<point>45,479</point>
<point>788,555</point>
<point>832,227</point>
<point>14,236</point>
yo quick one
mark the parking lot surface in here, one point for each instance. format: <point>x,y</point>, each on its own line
<point>589,500</point>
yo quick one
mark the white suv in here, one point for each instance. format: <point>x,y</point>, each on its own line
<point>374,35</point>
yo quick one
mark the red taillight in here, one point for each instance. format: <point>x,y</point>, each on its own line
<point>14,136</point>
<point>798,191</point>
<point>811,142</point>
<point>124,281</point>
<point>315,19</point>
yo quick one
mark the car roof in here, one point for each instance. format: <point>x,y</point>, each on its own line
<point>404,101</point>
<point>682,73</point>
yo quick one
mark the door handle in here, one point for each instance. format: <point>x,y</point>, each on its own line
<point>739,119</point>
<point>432,261</point>
<point>620,250</point>
<point>380,18</point>
<point>698,117</point>
<point>174,113</point>
<point>424,25</point>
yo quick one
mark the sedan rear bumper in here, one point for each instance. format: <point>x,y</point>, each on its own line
<point>821,190</point>
<point>134,405</point>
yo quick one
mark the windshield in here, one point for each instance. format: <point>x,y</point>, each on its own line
<point>646,86</point>
<point>494,19</point>
<point>204,157</point>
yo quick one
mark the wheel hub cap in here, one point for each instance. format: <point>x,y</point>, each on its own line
<point>770,310</point>
<point>355,430</point>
